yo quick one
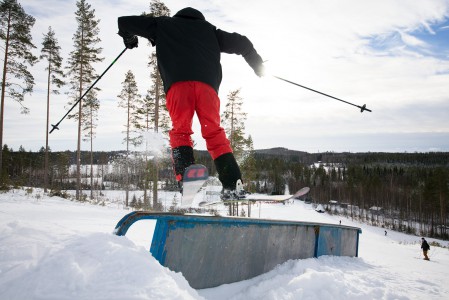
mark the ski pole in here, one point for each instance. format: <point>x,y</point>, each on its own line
<point>87,91</point>
<point>362,108</point>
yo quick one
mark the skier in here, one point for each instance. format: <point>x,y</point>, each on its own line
<point>425,247</point>
<point>188,55</point>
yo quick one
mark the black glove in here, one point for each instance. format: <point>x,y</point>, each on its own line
<point>131,42</point>
<point>255,62</point>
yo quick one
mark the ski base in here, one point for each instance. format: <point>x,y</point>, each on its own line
<point>194,178</point>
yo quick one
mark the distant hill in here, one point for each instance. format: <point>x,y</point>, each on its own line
<point>388,158</point>
<point>287,155</point>
<point>281,151</point>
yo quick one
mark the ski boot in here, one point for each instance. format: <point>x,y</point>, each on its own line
<point>236,194</point>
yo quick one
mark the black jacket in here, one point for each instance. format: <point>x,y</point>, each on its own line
<point>424,245</point>
<point>188,47</point>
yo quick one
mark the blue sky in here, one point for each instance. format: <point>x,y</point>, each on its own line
<point>392,55</point>
<point>430,40</point>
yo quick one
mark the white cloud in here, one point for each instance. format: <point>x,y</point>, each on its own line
<point>412,41</point>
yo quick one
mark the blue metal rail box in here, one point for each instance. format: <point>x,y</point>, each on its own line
<point>210,251</point>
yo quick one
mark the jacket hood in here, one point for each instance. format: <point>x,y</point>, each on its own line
<point>190,13</point>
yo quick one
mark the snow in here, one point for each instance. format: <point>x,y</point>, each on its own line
<point>52,248</point>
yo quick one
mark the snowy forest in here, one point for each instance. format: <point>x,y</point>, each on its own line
<point>407,192</point>
<point>401,191</point>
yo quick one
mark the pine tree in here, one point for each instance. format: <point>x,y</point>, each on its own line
<point>90,109</point>
<point>443,197</point>
<point>51,52</point>
<point>81,70</point>
<point>156,97</point>
<point>249,169</point>
<point>155,105</point>
<point>249,165</point>
<point>146,111</point>
<point>15,30</point>
<point>233,119</point>
<point>129,100</point>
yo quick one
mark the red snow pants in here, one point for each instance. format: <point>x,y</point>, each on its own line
<point>184,98</point>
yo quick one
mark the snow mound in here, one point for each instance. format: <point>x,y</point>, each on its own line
<point>324,278</point>
<point>94,266</point>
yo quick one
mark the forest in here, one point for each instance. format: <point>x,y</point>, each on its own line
<point>399,191</point>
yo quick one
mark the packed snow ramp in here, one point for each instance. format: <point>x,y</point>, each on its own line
<point>210,251</point>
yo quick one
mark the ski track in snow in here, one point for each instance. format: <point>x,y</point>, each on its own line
<point>51,248</point>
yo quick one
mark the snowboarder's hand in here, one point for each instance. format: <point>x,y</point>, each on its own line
<point>131,42</point>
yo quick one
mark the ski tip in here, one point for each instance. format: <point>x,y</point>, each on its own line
<point>301,192</point>
<point>207,204</point>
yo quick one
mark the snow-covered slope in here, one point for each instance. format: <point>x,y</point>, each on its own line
<point>51,248</point>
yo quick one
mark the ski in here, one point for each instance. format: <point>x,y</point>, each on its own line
<point>194,178</point>
<point>260,198</point>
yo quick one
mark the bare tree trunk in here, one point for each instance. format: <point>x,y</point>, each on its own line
<point>156,107</point>
<point>2,113</point>
<point>91,156</point>
<point>46,128</point>
<point>420,214</point>
<point>442,213</point>
<point>78,157</point>
<point>127,154</point>
<point>155,180</point>
<point>78,149</point>
<point>146,203</point>
<point>156,129</point>
<point>146,177</point>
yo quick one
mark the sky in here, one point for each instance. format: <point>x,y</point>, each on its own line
<point>392,55</point>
